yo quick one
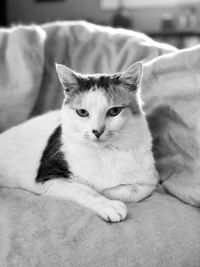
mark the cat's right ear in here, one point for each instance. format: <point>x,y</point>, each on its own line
<point>67,77</point>
<point>132,76</point>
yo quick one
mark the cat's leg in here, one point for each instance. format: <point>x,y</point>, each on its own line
<point>129,193</point>
<point>109,210</point>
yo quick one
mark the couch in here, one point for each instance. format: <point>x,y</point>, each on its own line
<point>160,231</point>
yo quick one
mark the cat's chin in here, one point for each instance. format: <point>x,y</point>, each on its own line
<point>98,143</point>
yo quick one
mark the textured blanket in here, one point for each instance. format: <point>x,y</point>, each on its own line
<point>21,68</point>
<point>39,231</point>
<point>160,231</point>
<point>171,92</point>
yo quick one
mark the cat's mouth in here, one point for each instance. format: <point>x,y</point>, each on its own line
<point>98,140</point>
<point>105,139</point>
<point>102,140</point>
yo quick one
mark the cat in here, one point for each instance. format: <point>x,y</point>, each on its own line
<point>95,151</point>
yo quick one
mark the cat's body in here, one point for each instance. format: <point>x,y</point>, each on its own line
<point>98,147</point>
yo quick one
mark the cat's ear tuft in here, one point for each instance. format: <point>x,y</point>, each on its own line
<point>67,77</point>
<point>132,76</point>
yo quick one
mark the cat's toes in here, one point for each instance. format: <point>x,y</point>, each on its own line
<point>113,211</point>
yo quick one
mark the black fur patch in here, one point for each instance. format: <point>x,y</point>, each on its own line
<point>86,83</point>
<point>53,164</point>
<point>103,81</point>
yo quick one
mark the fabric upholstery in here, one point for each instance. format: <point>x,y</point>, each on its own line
<point>160,231</point>
<point>171,93</point>
<point>21,65</point>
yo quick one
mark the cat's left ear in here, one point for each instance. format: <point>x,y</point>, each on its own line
<point>132,76</point>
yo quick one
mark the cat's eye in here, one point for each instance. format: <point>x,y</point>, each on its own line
<point>82,112</point>
<point>112,112</point>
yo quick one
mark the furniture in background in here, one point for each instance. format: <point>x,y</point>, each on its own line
<point>181,29</point>
<point>179,39</point>
<point>2,12</point>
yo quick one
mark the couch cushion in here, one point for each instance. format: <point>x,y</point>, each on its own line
<point>160,231</point>
<point>171,92</point>
<point>21,65</point>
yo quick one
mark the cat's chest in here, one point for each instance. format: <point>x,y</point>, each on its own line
<point>104,168</point>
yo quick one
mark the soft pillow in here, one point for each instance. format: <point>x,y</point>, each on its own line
<point>171,93</point>
<point>21,64</point>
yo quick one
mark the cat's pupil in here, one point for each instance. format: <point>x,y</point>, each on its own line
<point>114,111</point>
<point>82,112</point>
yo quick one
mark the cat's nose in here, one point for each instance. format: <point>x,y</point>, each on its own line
<point>99,132</point>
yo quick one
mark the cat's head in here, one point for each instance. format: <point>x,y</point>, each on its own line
<point>100,108</point>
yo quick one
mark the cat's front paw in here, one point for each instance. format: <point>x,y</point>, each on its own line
<point>112,210</point>
<point>129,193</point>
<point>121,192</point>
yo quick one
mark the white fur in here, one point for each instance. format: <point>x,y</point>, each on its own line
<point>121,159</point>
<point>119,166</point>
<point>21,148</point>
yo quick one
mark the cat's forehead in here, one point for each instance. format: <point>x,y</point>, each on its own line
<point>94,99</point>
<point>99,98</point>
<point>105,82</point>
<point>91,98</point>
<point>102,91</point>
<point>106,88</point>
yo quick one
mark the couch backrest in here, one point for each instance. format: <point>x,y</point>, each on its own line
<point>28,81</point>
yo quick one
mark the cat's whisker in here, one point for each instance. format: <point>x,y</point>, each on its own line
<point>122,134</point>
<point>86,135</point>
<point>155,146</point>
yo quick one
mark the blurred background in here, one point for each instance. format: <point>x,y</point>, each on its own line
<point>173,21</point>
